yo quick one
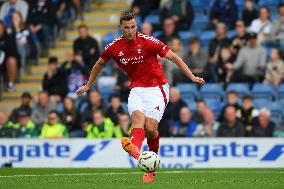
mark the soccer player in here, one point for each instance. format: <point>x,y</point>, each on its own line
<point>136,54</point>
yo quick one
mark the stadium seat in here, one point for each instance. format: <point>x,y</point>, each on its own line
<point>269,3</point>
<point>212,91</point>
<point>263,91</point>
<point>105,85</point>
<point>241,88</point>
<point>191,104</point>
<point>231,33</point>
<point>200,22</point>
<point>124,106</point>
<point>108,38</point>
<point>206,37</point>
<point>215,106</point>
<point>281,91</point>
<point>276,112</point>
<point>187,91</point>
<point>157,33</point>
<point>261,103</point>
<point>185,36</point>
<point>152,19</point>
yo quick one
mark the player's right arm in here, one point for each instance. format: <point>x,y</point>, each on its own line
<point>94,73</point>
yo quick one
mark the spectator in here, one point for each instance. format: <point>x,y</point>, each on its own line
<point>275,68</point>
<point>147,28</point>
<point>215,46</point>
<point>54,80</point>
<point>263,126</point>
<point>142,7</point>
<point>40,19</point>
<point>262,25</point>
<point>185,126</point>
<point>70,116</point>
<point>87,46</point>
<point>196,58</point>
<point>8,56</point>
<point>53,128</point>
<point>231,126</point>
<point>209,126</point>
<point>100,127</point>
<point>6,127</point>
<point>122,85</point>
<point>241,37</point>
<point>123,127</point>
<point>8,8</point>
<point>169,31</point>
<point>25,106</point>
<point>21,35</point>
<point>115,109</point>
<point>249,12</point>
<point>181,11</point>
<point>26,127</point>
<point>250,63</point>
<point>226,57</point>
<point>247,113</point>
<point>41,109</point>
<point>232,100</point>
<point>225,11</point>
<point>200,109</point>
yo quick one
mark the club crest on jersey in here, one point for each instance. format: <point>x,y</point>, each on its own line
<point>120,53</point>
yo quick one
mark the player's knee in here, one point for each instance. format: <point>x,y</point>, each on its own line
<point>137,119</point>
<point>151,128</point>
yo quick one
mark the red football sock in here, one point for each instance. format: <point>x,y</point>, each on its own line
<point>154,144</point>
<point>137,136</point>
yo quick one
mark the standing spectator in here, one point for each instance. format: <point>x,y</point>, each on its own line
<point>123,127</point>
<point>8,56</point>
<point>26,100</point>
<point>262,25</point>
<point>169,31</point>
<point>69,115</point>
<point>87,46</point>
<point>225,11</point>
<point>115,109</point>
<point>232,100</point>
<point>54,80</point>
<point>262,125</point>
<point>181,11</point>
<point>250,63</point>
<point>241,37</point>
<point>26,127</point>
<point>196,58</point>
<point>226,57</point>
<point>100,127</point>
<point>8,8</point>
<point>231,126</point>
<point>6,127</point>
<point>41,109</point>
<point>209,126</point>
<point>200,109</point>
<point>247,113</point>
<point>249,13</point>
<point>53,128</point>
<point>215,46</point>
<point>147,28</point>
<point>275,68</point>
<point>185,126</point>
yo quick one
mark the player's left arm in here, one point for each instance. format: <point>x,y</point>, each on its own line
<point>170,55</point>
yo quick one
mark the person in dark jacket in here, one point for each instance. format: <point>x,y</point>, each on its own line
<point>169,31</point>
<point>231,126</point>
<point>262,126</point>
<point>249,13</point>
<point>115,109</point>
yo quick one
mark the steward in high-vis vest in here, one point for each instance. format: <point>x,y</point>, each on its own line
<point>26,127</point>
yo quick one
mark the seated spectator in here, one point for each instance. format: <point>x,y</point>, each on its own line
<point>6,127</point>
<point>122,85</point>
<point>185,126</point>
<point>249,12</point>
<point>276,35</point>
<point>275,68</point>
<point>123,127</point>
<point>225,11</point>
<point>70,116</point>
<point>231,126</point>
<point>100,126</point>
<point>232,100</point>
<point>169,31</point>
<point>262,25</point>
<point>41,108</point>
<point>41,17</point>
<point>115,109</point>
<point>8,56</point>
<point>26,127</point>
<point>25,105</point>
<point>241,37</point>
<point>147,28</point>
<point>9,7</point>
<point>200,109</point>
<point>215,46</point>
<point>262,125</point>
<point>53,128</point>
<point>226,57</point>
<point>209,126</point>
<point>54,80</point>
<point>250,63</point>
<point>247,113</point>
<point>196,58</point>
<point>87,46</point>
<point>181,11</point>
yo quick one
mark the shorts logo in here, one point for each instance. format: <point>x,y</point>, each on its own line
<point>157,108</point>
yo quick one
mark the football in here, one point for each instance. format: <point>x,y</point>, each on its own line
<point>148,161</point>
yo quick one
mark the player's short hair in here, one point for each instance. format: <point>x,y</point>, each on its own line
<point>126,16</point>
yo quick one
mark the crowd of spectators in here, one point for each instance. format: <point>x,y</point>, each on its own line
<point>57,112</point>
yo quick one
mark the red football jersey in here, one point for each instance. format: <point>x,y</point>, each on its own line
<point>138,58</point>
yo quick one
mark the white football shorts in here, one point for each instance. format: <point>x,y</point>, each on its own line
<point>152,101</point>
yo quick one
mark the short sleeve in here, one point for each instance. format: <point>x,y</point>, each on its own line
<point>160,48</point>
<point>106,54</point>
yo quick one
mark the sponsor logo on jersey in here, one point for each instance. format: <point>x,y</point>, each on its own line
<point>134,60</point>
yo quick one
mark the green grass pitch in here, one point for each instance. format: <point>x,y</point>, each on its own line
<point>12,178</point>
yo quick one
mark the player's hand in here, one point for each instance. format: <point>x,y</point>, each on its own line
<point>82,89</point>
<point>198,80</point>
